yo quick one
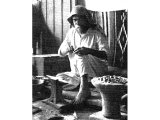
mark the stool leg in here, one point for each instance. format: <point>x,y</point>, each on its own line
<point>56,92</point>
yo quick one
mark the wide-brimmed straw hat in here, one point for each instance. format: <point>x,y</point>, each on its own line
<point>82,11</point>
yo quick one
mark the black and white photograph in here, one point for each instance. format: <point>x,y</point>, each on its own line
<point>79,61</point>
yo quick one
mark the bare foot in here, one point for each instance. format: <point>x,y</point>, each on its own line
<point>77,104</point>
<point>82,96</point>
<point>84,91</point>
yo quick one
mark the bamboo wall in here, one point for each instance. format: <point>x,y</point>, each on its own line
<point>55,14</point>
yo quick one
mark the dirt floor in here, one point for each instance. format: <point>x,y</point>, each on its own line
<point>44,110</point>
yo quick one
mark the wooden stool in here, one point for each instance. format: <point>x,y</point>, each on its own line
<point>56,91</point>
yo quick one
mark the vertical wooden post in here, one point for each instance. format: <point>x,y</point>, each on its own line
<point>111,35</point>
<point>58,21</point>
<point>66,12</point>
<point>38,62</point>
<point>115,43</point>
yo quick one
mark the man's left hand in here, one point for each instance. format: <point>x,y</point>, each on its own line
<point>82,51</point>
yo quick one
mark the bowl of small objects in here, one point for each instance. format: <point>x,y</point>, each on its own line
<point>111,88</point>
<point>109,82</point>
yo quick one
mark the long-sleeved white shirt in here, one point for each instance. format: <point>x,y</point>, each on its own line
<point>86,64</point>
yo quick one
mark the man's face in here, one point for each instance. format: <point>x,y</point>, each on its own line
<point>79,21</point>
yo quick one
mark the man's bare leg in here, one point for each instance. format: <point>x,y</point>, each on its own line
<point>80,99</point>
<point>84,91</point>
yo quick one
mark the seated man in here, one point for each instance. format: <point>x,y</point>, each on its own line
<point>86,48</point>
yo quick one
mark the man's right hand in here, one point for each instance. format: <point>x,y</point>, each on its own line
<point>71,49</point>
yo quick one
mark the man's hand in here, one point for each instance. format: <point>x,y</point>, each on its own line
<point>82,51</point>
<point>71,49</point>
<point>85,51</point>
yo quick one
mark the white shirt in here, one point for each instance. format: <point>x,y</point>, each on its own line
<point>87,64</point>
